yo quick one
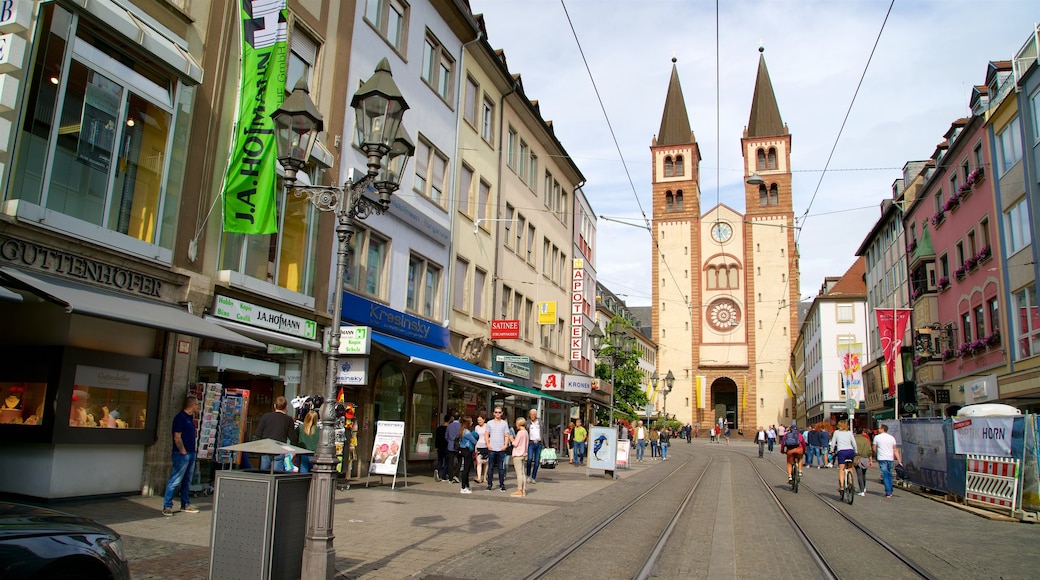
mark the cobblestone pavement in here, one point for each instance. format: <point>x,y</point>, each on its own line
<point>732,528</point>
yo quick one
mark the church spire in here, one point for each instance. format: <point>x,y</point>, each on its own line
<point>765,114</point>
<point>675,122</point>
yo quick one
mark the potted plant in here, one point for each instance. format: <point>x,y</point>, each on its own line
<point>943,283</point>
<point>971,262</point>
<point>952,203</point>
<point>985,253</point>
<point>948,354</point>
<point>938,217</point>
<point>993,339</point>
<point>965,350</point>
<point>960,273</point>
<point>976,175</point>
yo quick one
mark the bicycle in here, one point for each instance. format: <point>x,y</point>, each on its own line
<point>848,494</point>
<point>796,475</point>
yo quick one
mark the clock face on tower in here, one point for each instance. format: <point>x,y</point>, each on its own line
<point>721,232</point>
<point>723,314</point>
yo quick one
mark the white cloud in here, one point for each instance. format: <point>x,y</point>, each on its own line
<point>930,55</point>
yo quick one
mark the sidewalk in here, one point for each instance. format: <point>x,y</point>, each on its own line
<point>380,532</point>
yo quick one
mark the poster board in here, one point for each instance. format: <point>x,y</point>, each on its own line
<point>386,449</point>
<point>623,449</point>
<point>602,448</point>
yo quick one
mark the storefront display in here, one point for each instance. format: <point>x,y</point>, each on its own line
<point>22,403</point>
<point>108,398</point>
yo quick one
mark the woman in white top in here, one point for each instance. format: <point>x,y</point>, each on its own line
<point>844,444</point>
<point>482,448</point>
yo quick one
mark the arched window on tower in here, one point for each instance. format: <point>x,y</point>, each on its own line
<point>761,161</point>
<point>711,280</point>
<point>678,201</point>
<point>734,277</point>
<point>772,158</point>
<point>669,202</point>
<point>774,195</point>
<point>669,167</point>
<point>763,195</point>
<point>679,167</point>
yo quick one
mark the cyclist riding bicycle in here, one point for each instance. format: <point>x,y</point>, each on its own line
<point>793,445</point>
<point>843,444</point>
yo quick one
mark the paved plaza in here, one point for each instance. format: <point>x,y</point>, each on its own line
<point>426,529</point>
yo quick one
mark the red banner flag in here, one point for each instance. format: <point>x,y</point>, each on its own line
<point>891,327</point>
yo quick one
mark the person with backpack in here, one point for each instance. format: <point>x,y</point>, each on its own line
<point>793,445</point>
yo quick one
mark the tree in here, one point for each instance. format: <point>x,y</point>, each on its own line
<point>629,397</point>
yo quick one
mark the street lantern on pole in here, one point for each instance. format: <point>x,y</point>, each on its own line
<point>379,107</point>
<point>620,345</point>
<point>669,383</point>
<point>654,379</point>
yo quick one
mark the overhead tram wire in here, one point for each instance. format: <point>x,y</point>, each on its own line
<point>834,147</point>
<point>613,136</point>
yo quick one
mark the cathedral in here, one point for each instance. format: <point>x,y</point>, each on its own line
<point>725,287</point>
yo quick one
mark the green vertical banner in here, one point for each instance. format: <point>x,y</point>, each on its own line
<point>249,186</point>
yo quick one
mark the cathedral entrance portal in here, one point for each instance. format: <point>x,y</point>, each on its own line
<point>724,401</point>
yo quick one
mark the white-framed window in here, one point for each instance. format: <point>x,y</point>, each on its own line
<point>1027,322</point>
<point>465,189</point>
<point>438,68</point>
<point>548,190</point>
<point>511,138</point>
<point>844,313</point>
<point>431,171</point>
<point>479,281</point>
<point>525,151</point>
<point>390,19</point>
<point>1034,105</point>
<point>1009,145</point>
<point>483,200</point>
<point>530,244</point>
<point>532,178</point>
<point>472,104</point>
<point>1017,220</point>
<point>508,225</point>
<point>424,285</point>
<point>521,227</point>
<point>458,298</point>
<point>487,124</point>
<point>104,138</point>
<point>302,58</point>
<point>528,320</point>
<point>367,262</point>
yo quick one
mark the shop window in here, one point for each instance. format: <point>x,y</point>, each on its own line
<point>467,400</point>
<point>389,393</point>
<point>103,140</point>
<point>424,416</point>
<point>22,403</point>
<point>109,399</point>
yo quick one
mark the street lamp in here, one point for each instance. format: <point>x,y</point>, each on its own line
<point>669,382</point>
<point>654,379</point>
<point>379,106</point>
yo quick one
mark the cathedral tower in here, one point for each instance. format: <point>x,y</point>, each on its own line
<point>725,287</point>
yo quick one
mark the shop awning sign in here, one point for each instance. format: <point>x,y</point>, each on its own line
<point>262,317</point>
<point>577,384</point>
<point>505,329</point>
<point>352,371</point>
<point>355,340</point>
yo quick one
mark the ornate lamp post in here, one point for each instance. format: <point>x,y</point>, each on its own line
<point>669,383</point>
<point>378,106</point>
<point>654,379</point>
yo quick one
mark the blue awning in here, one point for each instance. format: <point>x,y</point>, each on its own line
<point>424,355</point>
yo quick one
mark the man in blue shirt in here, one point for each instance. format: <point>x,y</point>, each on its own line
<point>183,459</point>
<point>452,434</point>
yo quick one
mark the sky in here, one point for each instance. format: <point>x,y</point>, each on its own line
<point>573,55</point>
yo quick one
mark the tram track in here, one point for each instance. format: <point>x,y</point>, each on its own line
<point>826,566</point>
<point>650,561</point>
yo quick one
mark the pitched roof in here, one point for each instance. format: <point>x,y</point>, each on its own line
<point>765,118</point>
<point>675,122</point>
<point>853,283</point>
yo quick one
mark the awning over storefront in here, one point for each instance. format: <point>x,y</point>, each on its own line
<point>424,355</point>
<point>518,390</point>
<point>6,294</point>
<point>79,298</point>
<point>266,336</point>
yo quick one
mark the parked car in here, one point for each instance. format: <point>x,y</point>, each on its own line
<point>39,543</point>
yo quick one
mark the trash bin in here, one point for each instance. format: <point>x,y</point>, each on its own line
<point>259,524</point>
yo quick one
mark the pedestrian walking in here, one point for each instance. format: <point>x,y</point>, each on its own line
<point>580,435</point>
<point>521,443</point>
<point>467,445</point>
<point>824,437</point>
<point>183,455</point>
<point>655,436</point>
<point>496,438</point>
<point>812,437</point>
<point>771,437</point>
<point>887,452</point>
<point>697,430</point>
<point>569,440</point>
<point>864,459</point>
<point>641,436</point>
<point>440,443</point>
<point>534,447</point>
<point>309,436</point>
<point>760,438</point>
<point>277,425</point>
<point>726,434</point>
<point>689,433</point>
<point>663,438</point>
<point>482,449</point>
<point>452,434</point>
